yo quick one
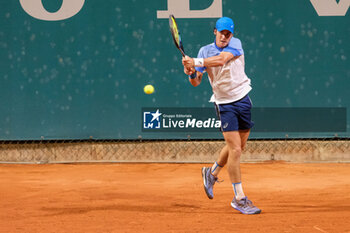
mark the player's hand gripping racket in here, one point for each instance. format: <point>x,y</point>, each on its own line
<point>177,38</point>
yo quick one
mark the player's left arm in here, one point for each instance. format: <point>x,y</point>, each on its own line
<point>218,60</point>
<point>232,51</point>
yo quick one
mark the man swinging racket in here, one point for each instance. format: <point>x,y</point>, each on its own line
<point>224,62</point>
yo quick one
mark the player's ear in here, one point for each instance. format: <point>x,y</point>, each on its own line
<point>215,30</point>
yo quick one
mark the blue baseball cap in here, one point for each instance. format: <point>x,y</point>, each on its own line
<point>225,23</point>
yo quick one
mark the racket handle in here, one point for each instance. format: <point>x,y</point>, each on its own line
<point>182,52</point>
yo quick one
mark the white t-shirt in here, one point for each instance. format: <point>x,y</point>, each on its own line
<point>229,82</point>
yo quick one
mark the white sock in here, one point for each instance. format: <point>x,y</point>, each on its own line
<point>215,169</point>
<point>238,190</point>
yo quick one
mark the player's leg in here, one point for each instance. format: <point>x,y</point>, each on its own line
<point>221,162</point>
<point>233,143</point>
<point>236,141</point>
<point>209,174</point>
<point>237,184</point>
<point>244,134</point>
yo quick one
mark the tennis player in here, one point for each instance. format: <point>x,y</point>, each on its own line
<point>223,60</point>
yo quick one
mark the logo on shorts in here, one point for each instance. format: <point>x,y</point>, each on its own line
<point>151,120</point>
<point>225,125</point>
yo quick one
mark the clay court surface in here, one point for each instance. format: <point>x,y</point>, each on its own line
<point>170,198</point>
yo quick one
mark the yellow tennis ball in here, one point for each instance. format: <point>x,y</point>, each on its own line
<point>148,89</point>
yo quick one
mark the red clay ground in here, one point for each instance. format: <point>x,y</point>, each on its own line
<point>170,198</point>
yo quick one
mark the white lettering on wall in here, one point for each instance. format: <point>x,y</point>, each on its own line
<point>36,9</point>
<point>331,7</point>
<point>181,9</point>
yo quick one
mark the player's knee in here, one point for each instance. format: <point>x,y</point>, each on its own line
<point>236,152</point>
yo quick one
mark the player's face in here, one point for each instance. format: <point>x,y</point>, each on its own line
<point>222,38</point>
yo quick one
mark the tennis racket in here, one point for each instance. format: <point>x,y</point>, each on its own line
<point>176,34</point>
<point>177,38</point>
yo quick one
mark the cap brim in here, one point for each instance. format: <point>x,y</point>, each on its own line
<point>223,29</point>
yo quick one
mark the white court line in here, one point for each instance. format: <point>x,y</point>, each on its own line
<point>317,228</point>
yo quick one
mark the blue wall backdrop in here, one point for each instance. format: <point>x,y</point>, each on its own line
<point>83,76</point>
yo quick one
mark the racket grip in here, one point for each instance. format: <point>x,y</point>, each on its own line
<point>194,75</point>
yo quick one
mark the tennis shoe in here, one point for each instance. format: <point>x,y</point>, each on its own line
<point>208,181</point>
<point>245,206</point>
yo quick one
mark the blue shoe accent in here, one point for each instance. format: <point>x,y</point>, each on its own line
<point>208,181</point>
<point>245,206</point>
